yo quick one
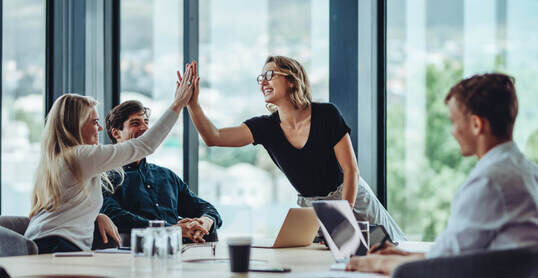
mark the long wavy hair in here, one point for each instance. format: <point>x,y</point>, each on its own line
<point>301,93</point>
<point>62,133</point>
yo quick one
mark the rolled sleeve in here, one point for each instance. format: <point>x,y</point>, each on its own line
<point>193,206</point>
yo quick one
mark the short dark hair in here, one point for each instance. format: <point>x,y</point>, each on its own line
<point>492,96</point>
<point>119,114</point>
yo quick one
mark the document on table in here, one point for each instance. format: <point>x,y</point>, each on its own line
<point>113,251</point>
<point>73,254</point>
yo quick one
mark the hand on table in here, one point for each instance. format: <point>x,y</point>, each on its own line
<point>107,227</point>
<point>194,229</point>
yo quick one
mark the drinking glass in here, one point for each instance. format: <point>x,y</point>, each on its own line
<point>174,243</point>
<point>140,251</point>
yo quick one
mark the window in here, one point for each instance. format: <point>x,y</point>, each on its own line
<point>151,52</point>
<point>23,86</point>
<point>235,38</point>
<point>431,45</point>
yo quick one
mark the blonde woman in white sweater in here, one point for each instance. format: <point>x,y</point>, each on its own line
<point>67,193</point>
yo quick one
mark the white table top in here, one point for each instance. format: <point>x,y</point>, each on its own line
<point>312,261</point>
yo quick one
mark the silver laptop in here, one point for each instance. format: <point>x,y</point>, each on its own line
<point>340,230</point>
<point>299,229</point>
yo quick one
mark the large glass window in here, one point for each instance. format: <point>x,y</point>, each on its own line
<point>431,45</point>
<point>235,38</point>
<point>151,52</point>
<point>23,84</point>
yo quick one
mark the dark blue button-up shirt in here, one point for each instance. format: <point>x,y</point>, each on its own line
<point>151,192</point>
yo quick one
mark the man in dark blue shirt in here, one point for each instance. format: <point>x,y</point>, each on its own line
<point>151,192</point>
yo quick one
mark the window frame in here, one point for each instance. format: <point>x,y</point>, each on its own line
<point>351,21</point>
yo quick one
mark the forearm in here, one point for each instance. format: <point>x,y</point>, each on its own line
<point>389,263</point>
<point>177,106</point>
<point>192,206</point>
<point>209,133</point>
<point>123,219</point>
<point>207,223</point>
<point>349,190</point>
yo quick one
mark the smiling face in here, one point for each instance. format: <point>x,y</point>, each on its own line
<point>133,127</point>
<point>463,129</point>
<point>90,129</point>
<point>276,90</point>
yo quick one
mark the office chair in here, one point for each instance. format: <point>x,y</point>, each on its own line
<point>520,262</point>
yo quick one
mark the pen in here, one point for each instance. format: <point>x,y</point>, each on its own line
<point>381,245</point>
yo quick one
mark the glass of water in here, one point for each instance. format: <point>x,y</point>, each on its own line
<point>158,248</point>
<point>174,241</point>
<point>140,250</point>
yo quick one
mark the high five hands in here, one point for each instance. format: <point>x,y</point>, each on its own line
<point>191,79</point>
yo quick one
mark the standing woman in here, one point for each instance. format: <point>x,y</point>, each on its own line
<point>308,141</point>
<point>67,194</point>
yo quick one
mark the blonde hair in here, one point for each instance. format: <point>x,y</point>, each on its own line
<point>63,132</point>
<point>301,93</point>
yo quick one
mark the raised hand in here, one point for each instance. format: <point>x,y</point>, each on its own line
<point>183,89</point>
<point>196,81</point>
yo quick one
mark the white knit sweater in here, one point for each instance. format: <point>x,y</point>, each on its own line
<point>74,219</point>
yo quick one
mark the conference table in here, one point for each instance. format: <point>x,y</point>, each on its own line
<point>312,261</point>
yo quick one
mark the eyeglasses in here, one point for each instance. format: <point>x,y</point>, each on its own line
<point>268,75</point>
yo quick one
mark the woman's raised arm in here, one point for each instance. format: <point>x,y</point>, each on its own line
<point>237,136</point>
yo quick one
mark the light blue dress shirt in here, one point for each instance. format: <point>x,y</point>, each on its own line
<point>496,208</point>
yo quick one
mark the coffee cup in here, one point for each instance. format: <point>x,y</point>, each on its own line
<point>239,251</point>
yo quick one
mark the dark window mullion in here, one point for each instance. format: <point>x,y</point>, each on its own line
<point>112,46</point>
<point>190,53</point>
<point>382,102</point>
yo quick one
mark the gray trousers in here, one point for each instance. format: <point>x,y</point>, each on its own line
<point>367,208</point>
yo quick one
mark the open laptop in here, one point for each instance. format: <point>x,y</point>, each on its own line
<point>340,230</point>
<point>299,229</point>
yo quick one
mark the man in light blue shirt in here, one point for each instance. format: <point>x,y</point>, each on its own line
<point>497,206</point>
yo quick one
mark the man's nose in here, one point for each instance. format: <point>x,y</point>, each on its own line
<point>144,126</point>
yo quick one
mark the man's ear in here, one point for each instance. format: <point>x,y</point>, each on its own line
<point>116,133</point>
<point>477,125</point>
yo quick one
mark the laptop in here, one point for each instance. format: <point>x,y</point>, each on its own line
<point>340,230</point>
<point>299,229</point>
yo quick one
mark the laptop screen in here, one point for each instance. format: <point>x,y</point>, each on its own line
<point>339,228</point>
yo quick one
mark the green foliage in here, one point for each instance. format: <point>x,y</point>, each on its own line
<point>423,208</point>
<point>35,125</point>
<point>531,149</point>
<point>227,157</point>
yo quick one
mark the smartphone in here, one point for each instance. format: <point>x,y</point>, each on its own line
<point>377,233</point>
<point>268,268</point>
